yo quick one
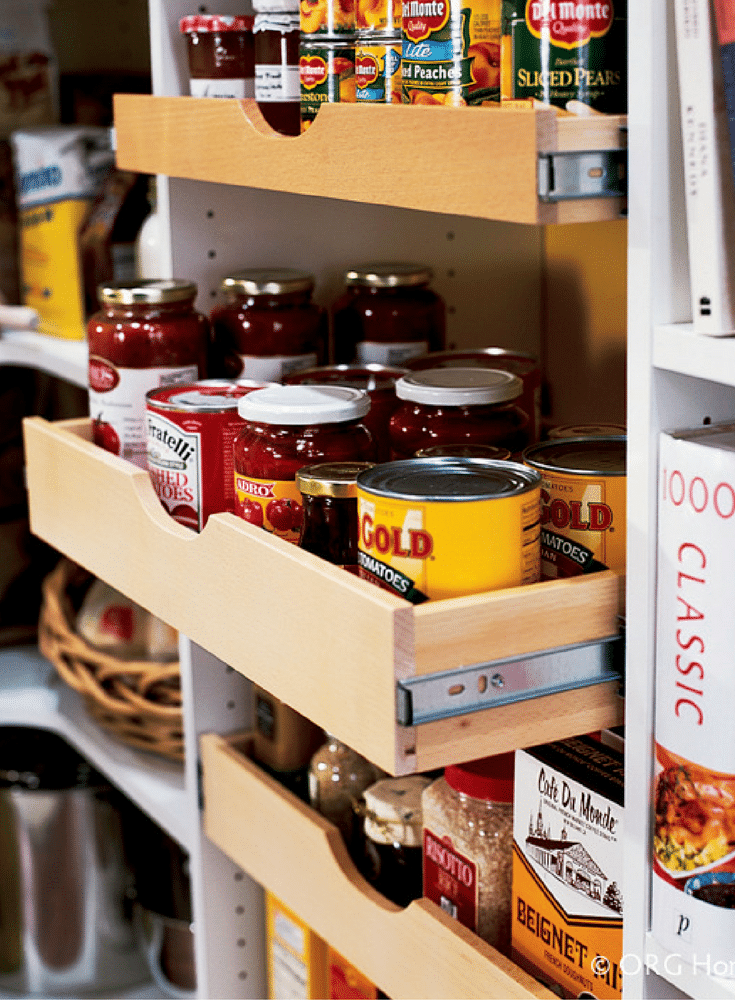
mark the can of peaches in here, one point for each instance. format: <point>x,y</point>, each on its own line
<point>451,52</point>
<point>190,431</point>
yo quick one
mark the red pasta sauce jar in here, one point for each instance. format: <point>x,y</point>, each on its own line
<point>268,325</point>
<point>146,334</point>
<point>450,406</point>
<point>286,428</point>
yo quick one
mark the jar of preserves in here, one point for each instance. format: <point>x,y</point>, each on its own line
<point>329,527</point>
<point>277,36</point>
<point>468,828</point>
<point>392,837</point>
<point>379,381</point>
<point>286,428</point>
<point>221,54</point>
<point>146,334</point>
<point>268,325</point>
<point>387,314</point>
<point>458,406</point>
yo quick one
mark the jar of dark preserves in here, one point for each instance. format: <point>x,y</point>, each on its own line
<point>146,334</point>
<point>286,428</point>
<point>379,381</point>
<point>221,54</point>
<point>393,829</point>
<point>450,406</point>
<point>387,314</point>
<point>277,86</point>
<point>268,325</point>
<point>329,527</point>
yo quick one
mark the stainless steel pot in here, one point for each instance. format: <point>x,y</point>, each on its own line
<point>65,914</point>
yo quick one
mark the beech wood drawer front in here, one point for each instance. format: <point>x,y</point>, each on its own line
<point>414,952</point>
<point>324,641</point>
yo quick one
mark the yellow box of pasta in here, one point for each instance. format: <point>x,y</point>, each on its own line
<point>567,922</point>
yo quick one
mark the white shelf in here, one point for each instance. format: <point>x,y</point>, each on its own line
<point>677,348</point>
<point>695,982</point>
<point>31,694</point>
<point>66,359</point>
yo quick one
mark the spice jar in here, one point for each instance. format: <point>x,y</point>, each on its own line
<point>286,428</point>
<point>458,406</point>
<point>277,36</point>
<point>268,325</point>
<point>468,845</point>
<point>379,381</point>
<point>338,776</point>
<point>329,527</point>
<point>146,334</point>
<point>221,54</point>
<point>393,832</point>
<point>387,314</point>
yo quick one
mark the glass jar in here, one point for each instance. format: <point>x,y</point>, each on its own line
<point>338,776</point>
<point>286,428</point>
<point>268,325</point>
<point>468,845</point>
<point>387,314</point>
<point>490,451</point>
<point>379,381</point>
<point>458,406</point>
<point>393,833</point>
<point>329,527</point>
<point>221,54</point>
<point>277,91</point>
<point>146,334</point>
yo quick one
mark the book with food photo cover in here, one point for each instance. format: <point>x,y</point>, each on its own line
<point>693,886</point>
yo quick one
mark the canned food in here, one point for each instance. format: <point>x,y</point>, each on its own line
<point>582,504</point>
<point>378,69</point>
<point>561,52</point>
<point>432,528</point>
<point>326,74</point>
<point>190,431</point>
<point>585,430</point>
<point>378,16</point>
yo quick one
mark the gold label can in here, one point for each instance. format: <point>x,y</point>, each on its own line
<point>583,485</point>
<point>433,528</point>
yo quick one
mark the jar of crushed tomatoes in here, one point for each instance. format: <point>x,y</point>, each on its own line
<point>268,325</point>
<point>387,314</point>
<point>146,334</point>
<point>451,406</point>
<point>286,428</point>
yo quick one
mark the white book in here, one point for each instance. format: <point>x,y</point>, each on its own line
<point>708,175</point>
<point>693,860</point>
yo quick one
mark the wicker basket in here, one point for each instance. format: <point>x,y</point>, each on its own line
<point>139,701</point>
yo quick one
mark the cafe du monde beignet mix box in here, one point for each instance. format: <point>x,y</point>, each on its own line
<point>567,927</point>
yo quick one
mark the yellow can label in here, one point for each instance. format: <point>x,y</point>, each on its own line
<point>434,549</point>
<point>582,523</point>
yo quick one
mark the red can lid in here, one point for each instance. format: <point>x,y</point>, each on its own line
<point>216,22</point>
<point>488,778</point>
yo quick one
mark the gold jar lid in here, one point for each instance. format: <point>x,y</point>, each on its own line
<point>330,479</point>
<point>388,275</point>
<point>268,281</point>
<point>153,291</point>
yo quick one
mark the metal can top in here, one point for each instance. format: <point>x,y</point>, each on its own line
<point>450,480</point>
<point>459,386</point>
<point>586,430</point>
<point>205,396</point>
<point>585,456</point>
<point>268,281</point>
<point>153,291</point>
<point>388,275</point>
<point>303,405</point>
<point>330,479</point>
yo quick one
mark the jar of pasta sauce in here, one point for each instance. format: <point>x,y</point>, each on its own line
<point>268,325</point>
<point>286,428</point>
<point>221,54</point>
<point>387,314</point>
<point>277,89</point>
<point>146,334</point>
<point>450,406</point>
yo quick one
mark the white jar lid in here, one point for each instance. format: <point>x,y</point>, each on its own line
<point>459,386</point>
<point>304,404</point>
<point>393,810</point>
<point>276,6</point>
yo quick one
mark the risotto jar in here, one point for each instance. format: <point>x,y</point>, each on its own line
<point>286,428</point>
<point>432,528</point>
<point>268,325</point>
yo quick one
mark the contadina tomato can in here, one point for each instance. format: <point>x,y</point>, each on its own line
<point>582,504</point>
<point>431,528</point>
<point>190,431</point>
